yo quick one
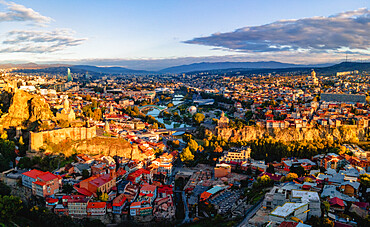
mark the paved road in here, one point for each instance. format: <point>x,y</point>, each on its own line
<point>187,219</point>
<point>250,214</point>
<point>167,130</point>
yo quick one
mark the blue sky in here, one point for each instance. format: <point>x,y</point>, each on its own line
<point>156,34</point>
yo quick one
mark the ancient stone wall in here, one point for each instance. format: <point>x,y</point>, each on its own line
<point>38,139</point>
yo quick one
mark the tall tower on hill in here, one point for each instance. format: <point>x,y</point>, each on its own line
<point>69,76</point>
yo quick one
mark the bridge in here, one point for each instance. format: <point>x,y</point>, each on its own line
<point>160,108</point>
<point>173,130</point>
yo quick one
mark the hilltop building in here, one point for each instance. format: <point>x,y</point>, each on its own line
<point>223,121</point>
<point>66,113</point>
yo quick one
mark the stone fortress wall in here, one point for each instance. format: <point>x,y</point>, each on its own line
<point>37,139</point>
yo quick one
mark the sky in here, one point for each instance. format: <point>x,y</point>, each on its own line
<point>150,35</point>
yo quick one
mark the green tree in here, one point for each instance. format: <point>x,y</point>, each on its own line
<point>289,177</point>
<point>158,152</point>
<point>365,180</point>
<point>67,188</point>
<point>63,123</point>
<point>104,197</point>
<point>270,169</point>
<point>186,137</point>
<point>218,149</point>
<point>4,189</point>
<point>88,98</point>
<point>9,207</point>
<point>186,155</point>
<point>325,206</point>
<point>322,222</point>
<point>85,174</point>
<point>198,118</point>
<point>193,145</point>
<point>175,144</point>
<point>155,125</point>
<point>97,114</point>
<point>25,163</point>
<point>4,136</point>
<point>262,182</point>
<point>21,141</point>
<point>299,170</point>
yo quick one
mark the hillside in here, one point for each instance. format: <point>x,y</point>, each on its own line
<point>345,66</point>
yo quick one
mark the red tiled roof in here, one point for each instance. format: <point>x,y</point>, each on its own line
<point>47,176</point>
<point>288,224</point>
<point>362,204</point>
<point>83,191</point>
<point>96,205</point>
<point>33,173</point>
<point>101,180</point>
<point>51,200</point>
<point>75,198</point>
<point>148,187</point>
<point>336,201</point>
<point>135,204</point>
<point>119,200</point>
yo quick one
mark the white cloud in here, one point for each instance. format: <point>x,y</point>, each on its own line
<point>17,12</point>
<point>39,41</point>
<point>348,31</point>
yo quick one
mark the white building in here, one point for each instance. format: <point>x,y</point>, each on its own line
<point>289,211</point>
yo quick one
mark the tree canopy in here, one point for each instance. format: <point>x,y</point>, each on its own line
<point>9,207</point>
<point>186,155</point>
<point>198,118</point>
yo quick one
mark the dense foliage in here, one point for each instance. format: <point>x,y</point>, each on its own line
<point>46,163</point>
<point>272,150</point>
<point>7,153</point>
<point>9,207</point>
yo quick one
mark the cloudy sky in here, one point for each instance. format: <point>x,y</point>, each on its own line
<point>147,34</point>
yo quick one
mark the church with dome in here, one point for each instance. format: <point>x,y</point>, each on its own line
<point>312,79</point>
<point>223,121</point>
<point>66,113</point>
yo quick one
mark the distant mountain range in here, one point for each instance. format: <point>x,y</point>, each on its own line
<point>253,67</point>
<point>62,69</point>
<point>30,66</point>
<point>206,66</point>
<point>107,70</point>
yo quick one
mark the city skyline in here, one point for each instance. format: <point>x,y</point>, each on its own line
<point>151,36</point>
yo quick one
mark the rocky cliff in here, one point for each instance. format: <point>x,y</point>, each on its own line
<point>22,109</point>
<point>343,133</point>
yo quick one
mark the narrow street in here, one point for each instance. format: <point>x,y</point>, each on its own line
<point>250,215</point>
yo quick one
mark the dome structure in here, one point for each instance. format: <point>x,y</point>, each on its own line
<point>192,110</point>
